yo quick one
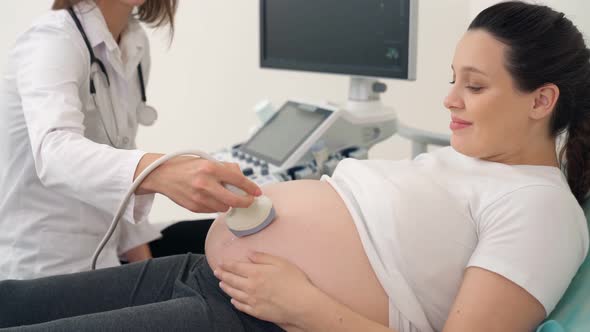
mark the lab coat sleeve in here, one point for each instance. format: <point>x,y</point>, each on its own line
<point>132,236</point>
<point>52,68</point>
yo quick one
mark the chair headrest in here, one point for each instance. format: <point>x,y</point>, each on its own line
<point>586,207</point>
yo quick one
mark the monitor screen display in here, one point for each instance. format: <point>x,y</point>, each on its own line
<point>285,132</point>
<point>355,37</point>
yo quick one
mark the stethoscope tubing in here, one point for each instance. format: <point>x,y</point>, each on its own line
<point>94,59</point>
<point>93,91</point>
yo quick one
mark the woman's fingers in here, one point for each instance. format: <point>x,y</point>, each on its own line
<point>233,280</point>
<point>267,288</point>
<point>263,258</point>
<point>234,293</point>
<point>243,307</point>
<point>242,269</point>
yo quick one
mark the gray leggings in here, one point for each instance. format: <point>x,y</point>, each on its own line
<point>177,293</point>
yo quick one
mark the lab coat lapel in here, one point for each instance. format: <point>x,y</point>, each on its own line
<point>122,58</point>
<point>132,47</point>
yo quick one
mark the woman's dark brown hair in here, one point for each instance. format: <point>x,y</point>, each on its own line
<point>158,13</point>
<point>546,47</point>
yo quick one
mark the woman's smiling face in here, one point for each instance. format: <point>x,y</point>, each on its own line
<point>489,115</point>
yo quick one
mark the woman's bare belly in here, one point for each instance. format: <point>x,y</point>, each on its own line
<point>314,230</point>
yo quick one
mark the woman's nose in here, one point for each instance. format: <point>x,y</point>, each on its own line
<point>453,100</point>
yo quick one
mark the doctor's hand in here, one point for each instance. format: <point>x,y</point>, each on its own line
<point>197,184</point>
<point>268,287</point>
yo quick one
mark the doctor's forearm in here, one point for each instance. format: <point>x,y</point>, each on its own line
<point>150,184</point>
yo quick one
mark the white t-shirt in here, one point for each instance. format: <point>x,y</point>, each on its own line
<point>423,221</point>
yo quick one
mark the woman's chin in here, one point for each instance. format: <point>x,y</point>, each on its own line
<point>461,145</point>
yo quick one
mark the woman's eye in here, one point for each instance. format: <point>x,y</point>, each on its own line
<point>474,88</point>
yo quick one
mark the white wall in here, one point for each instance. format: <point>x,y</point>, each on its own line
<point>15,18</point>
<point>207,81</point>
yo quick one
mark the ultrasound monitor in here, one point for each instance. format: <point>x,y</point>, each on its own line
<point>367,38</point>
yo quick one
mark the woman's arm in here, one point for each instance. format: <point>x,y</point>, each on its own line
<point>489,302</point>
<point>273,289</point>
<point>514,267</point>
<point>323,313</point>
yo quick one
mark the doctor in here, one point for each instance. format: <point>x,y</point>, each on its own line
<point>70,104</point>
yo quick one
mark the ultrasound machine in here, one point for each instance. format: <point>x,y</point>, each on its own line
<point>364,39</point>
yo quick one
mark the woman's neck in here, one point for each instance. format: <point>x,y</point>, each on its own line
<point>543,151</point>
<point>116,15</point>
<point>537,152</point>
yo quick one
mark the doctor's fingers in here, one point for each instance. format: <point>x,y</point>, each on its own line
<point>230,198</point>
<point>233,175</point>
<point>233,166</point>
<point>206,204</point>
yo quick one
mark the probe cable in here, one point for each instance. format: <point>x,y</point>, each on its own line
<point>132,189</point>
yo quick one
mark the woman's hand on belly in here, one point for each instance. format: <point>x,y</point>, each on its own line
<point>268,287</point>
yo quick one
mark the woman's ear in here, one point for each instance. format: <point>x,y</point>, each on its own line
<point>545,100</point>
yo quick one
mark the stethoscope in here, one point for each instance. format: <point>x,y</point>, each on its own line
<point>146,115</point>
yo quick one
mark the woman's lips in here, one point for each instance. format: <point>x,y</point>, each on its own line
<point>457,124</point>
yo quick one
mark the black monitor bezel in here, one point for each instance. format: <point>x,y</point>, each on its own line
<point>326,68</point>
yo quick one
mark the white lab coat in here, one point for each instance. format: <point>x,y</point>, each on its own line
<point>60,183</point>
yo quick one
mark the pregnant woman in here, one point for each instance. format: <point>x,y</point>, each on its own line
<point>485,235</point>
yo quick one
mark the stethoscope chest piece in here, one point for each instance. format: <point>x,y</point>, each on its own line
<point>146,115</point>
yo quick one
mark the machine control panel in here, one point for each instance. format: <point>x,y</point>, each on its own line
<point>302,141</point>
